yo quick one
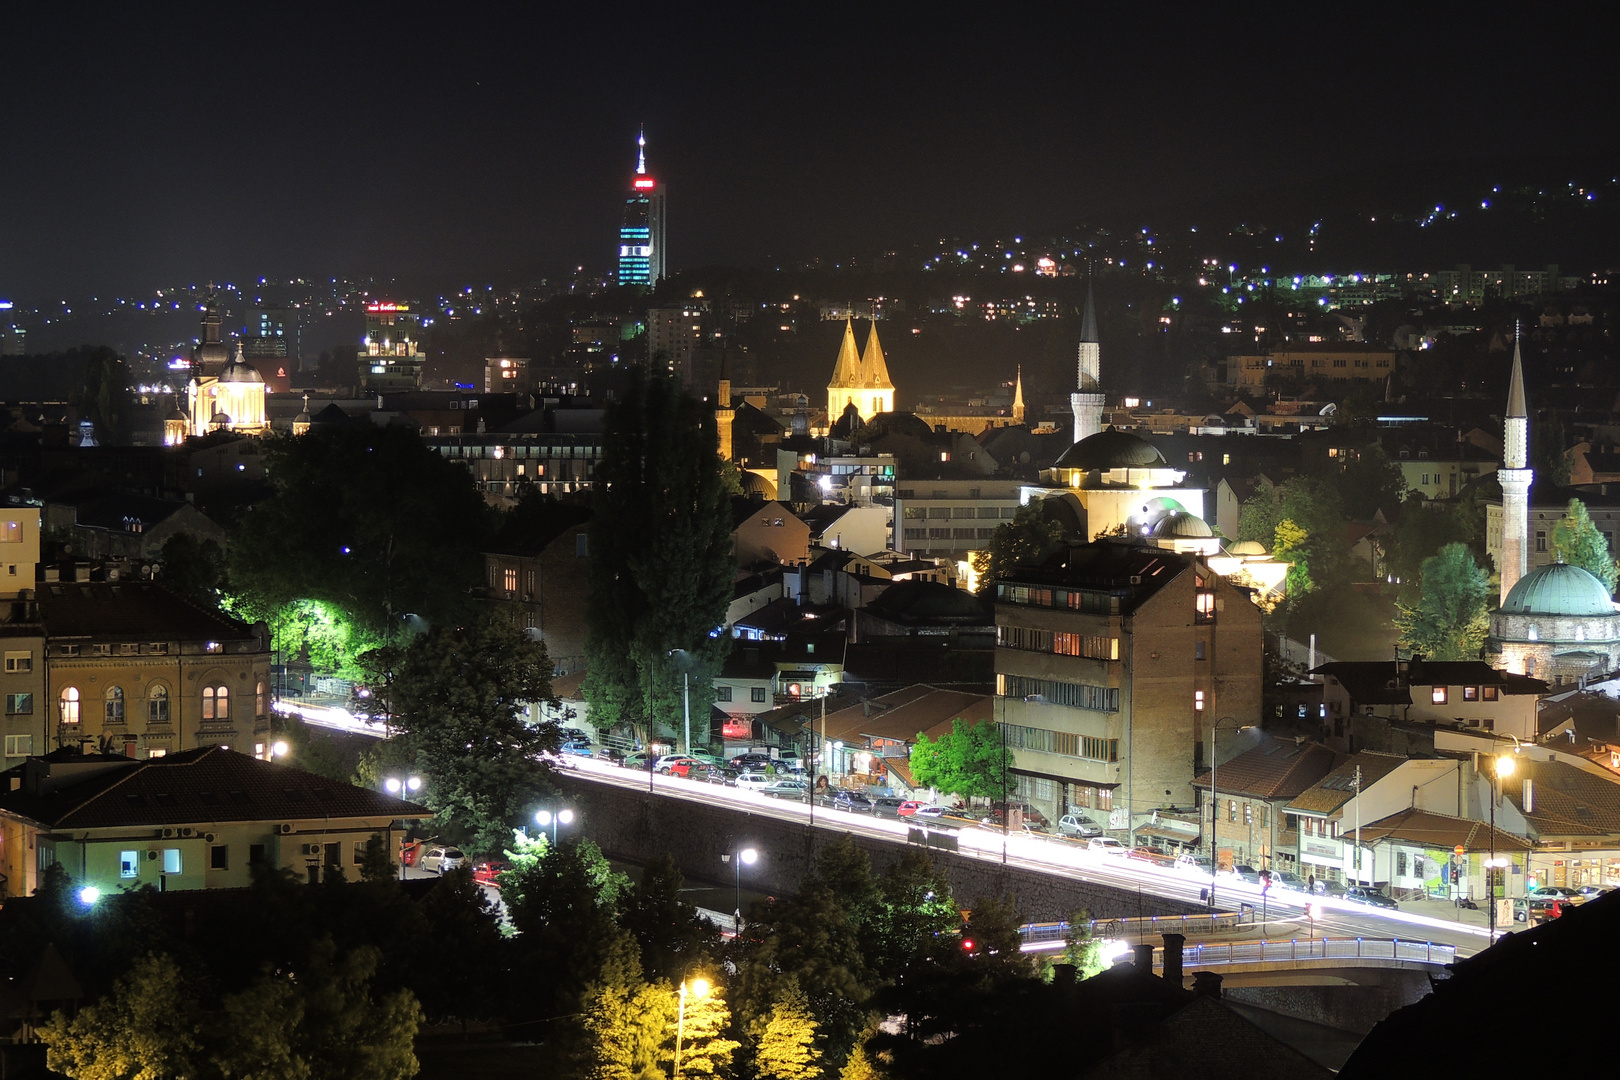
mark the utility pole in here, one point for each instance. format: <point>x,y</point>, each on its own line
<point>1358,824</point>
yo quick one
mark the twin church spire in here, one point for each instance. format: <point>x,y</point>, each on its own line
<point>859,379</point>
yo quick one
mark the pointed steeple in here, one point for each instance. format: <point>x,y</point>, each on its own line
<point>1018,396</point>
<point>641,152</point>
<point>1088,321</point>
<point>874,372</point>
<point>1515,404</point>
<point>847,371</point>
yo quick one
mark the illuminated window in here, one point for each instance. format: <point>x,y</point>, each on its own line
<point>1439,695</point>
<point>115,705</point>
<point>129,864</point>
<point>262,696</point>
<point>1470,693</point>
<point>1198,700</point>
<point>70,704</point>
<point>1489,692</point>
<point>509,577</point>
<point>216,703</point>
<point>157,705</point>
<point>1206,605</point>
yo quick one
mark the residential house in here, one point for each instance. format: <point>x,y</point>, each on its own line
<point>768,532</point>
<point>1362,699</point>
<point>540,581</point>
<point>1247,821</point>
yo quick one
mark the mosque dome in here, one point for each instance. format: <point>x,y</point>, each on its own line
<point>1111,449</point>
<point>1249,549</point>
<point>1558,589</point>
<point>1181,525</point>
<point>755,484</point>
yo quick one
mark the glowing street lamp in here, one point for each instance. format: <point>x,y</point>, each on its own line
<point>409,785</point>
<point>546,817</point>
<point>1504,768</point>
<point>89,895</point>
<point>746,855</point>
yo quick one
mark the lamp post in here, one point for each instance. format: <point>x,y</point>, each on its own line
<point>401,786</point>
<point>1214,804</point>
<point>1504,767</point>
<point>699,990</point>
<point>686,698</point>
<point>546,817</point>
<point>746,855</point>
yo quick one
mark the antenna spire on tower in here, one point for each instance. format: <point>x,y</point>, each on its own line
<point>641,152</point>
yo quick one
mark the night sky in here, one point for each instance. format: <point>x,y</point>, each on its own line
<point>143,145</point>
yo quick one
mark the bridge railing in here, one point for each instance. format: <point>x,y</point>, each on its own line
<point>1036,933</point>
<point>1247,952</point>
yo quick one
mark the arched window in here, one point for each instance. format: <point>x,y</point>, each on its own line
<point>216,703</point>
<point>263,698</point>
<point>115,705</point>
<point>157,705</point>
<point>70,704</point>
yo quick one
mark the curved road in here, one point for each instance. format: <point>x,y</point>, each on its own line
<point>1286,915</point>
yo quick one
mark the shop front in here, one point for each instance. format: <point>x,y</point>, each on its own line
<point>1321,858</point>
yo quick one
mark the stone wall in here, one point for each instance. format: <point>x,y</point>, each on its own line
<point>637,825</point>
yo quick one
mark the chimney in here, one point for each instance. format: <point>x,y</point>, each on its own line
<point>1144,957</point>
<point>1063,976</point>
<point>1529,795</point>
<point>1206,984</point>
<point>1172,958</point>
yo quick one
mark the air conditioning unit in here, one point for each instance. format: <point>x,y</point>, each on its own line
<point>188,832</point>
<point>170,834</point>
<point>312,849</point>
<point>1136,579</point>
<point>208,838</point>
<point>151,854</point>
<point>284,829</point>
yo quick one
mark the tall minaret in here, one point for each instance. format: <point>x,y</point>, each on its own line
<point>1515,477</point>
<point>1018,397</point>
<point>1087,400</point>
<point>723,414</point>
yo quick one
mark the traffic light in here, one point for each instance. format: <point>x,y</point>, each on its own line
<point>1265,880</point>
<point>967,945</point>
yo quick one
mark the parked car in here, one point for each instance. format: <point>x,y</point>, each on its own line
<point>753,781</point>
<point>1075,825</point>
<point>1535,910</point>
<point>666,763</point>
<point>1358,894</point>
<point>488,871</point>
<point>1193,864</point>
<point>851,802</point>
<point>927,813</point>
<point>610,755</point>
<point>1556,892</point>
<point>751,761</point>
<point>440,859</point>
<point>577,748</point>
<point>1284,879</point>
<point>693,770</point>
<point>1592,892</point>
<point>634,761</point>
<point>1247,873</point>
<point>786,788</point>
<point>1107,845</point>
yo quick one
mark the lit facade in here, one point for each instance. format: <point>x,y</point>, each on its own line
<point>641,234</point>
<point>391,356</point>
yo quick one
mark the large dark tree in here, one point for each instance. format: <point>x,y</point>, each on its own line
<point>661,567</point>
<point>460,699</point>
<point>364,519</point>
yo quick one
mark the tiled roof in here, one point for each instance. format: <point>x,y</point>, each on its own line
<point>1384,682</point>
<point>1338,787</point>
<point>1276,769</point>
<point>131,611</point>
<point>195,787</point>
<point>1134,574</point>
<point>1440,831</point>
<point>1568,800</point>
<point>908,711</point>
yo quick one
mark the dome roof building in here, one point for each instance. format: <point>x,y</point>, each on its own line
<point>1558,623</point>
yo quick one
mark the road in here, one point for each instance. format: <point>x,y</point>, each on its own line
<point>1285,910</point>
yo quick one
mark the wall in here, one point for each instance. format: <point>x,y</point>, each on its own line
<point>636,825</point>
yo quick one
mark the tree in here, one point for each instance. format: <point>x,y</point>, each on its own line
<point>1315,536</point>
<point>1549,443</point>
<point>1080,948</point>
<point>785,1042</point>
<point>661,567</point>
<point>914,909</point>
<point>150,1026</point>
<point>460,699</point>
<point>1450,620</point>
<point>1577,541</point>
<point>1425,528</point>
<point>377,862</point>
<point>106,388</point>
<point>622,1032</point>
<point>969,761</point>
<point>701,1030</point>
<point>1026,540</point>
<point>1370,482</point>
<point>669,931</point>
<point>193,568</point>
<point>366,519</point>
<point>1288,544</point>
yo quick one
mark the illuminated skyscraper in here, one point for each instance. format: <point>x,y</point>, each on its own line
<point>641,236</point>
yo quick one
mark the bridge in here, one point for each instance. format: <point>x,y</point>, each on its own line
<point>1315,953</point>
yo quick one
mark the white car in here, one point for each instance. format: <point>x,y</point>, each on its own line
<point>928,813</point>
<point>1075,825</point>
<point>753,781</point>
<point>1107,845</point>
<point>440,859</point>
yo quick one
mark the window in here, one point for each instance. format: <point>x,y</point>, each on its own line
<point>114,705</point>
<point>18,662</point>
<point>171,860</point>
<point>1199,651</point>
<point>1400,863</point>
<point>1206,606</point>
<point>262,696</point>
<point>509,579</point>
<point>1231,809</point>
<point>156,752</point>
<point>19,704</point>
<point>157,705</point>
<point>722,693</point>
<point>1439,695</point>
<point>219,857</point>
<point>1198,700</point>
<point>1541,540</point>
<point>1470,693</point>
<point>255,854</point>
<point>129,864</point>
<point>756,694</point>
<point>69,704</point>
<point>19,745</point>
<point>1490,692</point>
<point>10,532</point>
<point>216,703</point>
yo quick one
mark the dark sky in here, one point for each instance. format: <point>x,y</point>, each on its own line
<point>142,145</point>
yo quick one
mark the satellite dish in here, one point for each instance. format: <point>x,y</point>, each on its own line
<point>1329,409</point>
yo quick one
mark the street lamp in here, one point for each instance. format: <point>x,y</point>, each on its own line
<point>686,698</point>
<point>279,748</point>
<point>699,991</point>
<point>546,817</point>
<point>408,785</point>
<point>1214,804</point>
<point>1504,767</point>
<point>746,855</point>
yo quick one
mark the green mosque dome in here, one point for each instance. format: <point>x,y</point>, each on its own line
<point>1558,589</point>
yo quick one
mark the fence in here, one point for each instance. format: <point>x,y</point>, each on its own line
<point>1247,952</point>
<point>1104,929</point>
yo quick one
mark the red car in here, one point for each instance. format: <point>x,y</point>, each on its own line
<point>486,871</point>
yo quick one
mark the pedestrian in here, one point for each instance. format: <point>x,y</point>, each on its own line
<point>1311,883</point>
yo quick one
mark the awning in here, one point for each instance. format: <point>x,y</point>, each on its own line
<point>1161,833</point>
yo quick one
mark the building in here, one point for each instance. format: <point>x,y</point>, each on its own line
<point>391,356</point>
<point>278,335</point>
<point>952,519</point>
<point>1515,476</point>
<point>507,375</point>
<point>674,334</point>
<point>205,818</point>
<point>767,532</point>
<point>1246,822</point>
<point>1324,362</point>
<point>1112,661</point>
<point>1360,698</point>
<point>225,393</point>
<point>859,381</point>
<point>540,583</point>
<point>642,253</point>
<point>1087,399</point>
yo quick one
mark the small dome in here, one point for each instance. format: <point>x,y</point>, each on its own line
<point>1558,589</point>
<point>221,418</point>
<point>1248,549</point>
<point>1111,449</point>
<point>240,371</point>
<point>1181,525</point>
<point>755,484</point>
